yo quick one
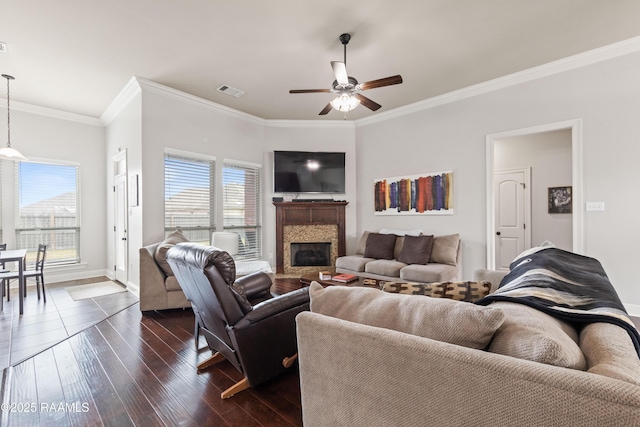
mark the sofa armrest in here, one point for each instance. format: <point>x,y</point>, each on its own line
<point>493,276</point>
<point>255,284</point>
<point>373,376</point>
<point>151,279</point>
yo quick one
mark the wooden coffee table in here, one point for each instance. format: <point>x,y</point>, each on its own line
<point>306,279</point>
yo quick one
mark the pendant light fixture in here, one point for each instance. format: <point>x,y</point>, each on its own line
<point>7,152</point>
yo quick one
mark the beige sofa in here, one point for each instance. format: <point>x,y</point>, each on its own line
<point>161,291</point>
<point>368,358</point>
<point>444,262</point>
<point>157,290</point>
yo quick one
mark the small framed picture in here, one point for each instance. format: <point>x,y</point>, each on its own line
<point>560,200</point>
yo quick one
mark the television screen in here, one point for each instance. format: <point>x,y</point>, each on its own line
<point>308,172</point>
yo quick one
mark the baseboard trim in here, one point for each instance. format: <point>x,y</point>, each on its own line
<point>633,310</point>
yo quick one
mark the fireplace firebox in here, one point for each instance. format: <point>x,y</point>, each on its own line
<point>311,254</point>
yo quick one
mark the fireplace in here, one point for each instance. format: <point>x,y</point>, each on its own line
<point>311,254</point>
<point>309,223</point>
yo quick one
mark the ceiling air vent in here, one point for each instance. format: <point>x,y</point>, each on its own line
<point>3,47</point>
<point>230,91</point>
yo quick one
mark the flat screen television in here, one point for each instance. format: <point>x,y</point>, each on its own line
<point>308,172</point>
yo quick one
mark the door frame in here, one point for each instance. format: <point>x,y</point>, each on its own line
<point>121,156</point>
<point>526,173</point>
<point>575,126</point>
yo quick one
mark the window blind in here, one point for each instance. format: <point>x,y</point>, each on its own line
<point>241,187</point>
<point>48,210</point>
<point>189,196</point>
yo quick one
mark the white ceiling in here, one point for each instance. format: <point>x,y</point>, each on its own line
<point>77,55</point>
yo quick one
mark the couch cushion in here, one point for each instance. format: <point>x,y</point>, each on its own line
<point>440,319</point>
<point>459,291</point>
<point>416,249</point>
<point>380,246</point>
<point>445,249</point>
<point>428,273</point>
<point>352,262</point>
<point>161,251</point>
<point>610,352</point>
<point>530,334</point>
<point>384,267</point>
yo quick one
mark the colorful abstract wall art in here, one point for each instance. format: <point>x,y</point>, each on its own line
<point>424,194</point>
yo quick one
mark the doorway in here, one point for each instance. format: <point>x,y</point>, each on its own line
<point>120,256</point>
<point>574,129</point>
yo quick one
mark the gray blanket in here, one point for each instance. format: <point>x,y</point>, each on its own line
<point>568,286</point>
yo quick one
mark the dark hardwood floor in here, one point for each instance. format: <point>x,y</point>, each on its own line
<point>140,370</point>
<point>44,324</point>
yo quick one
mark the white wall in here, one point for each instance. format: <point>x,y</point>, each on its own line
<point>195,126</point>
<point>49,138</point>
<point>548,154</point>
<point>452,137</point>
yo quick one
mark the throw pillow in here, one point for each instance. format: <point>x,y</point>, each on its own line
<point>362,243</point>
<point>459,291</point>
<point>439,319</point>
<point>416,249</point>
<point>380,246</point>
<point>610,352</point>
<point>161,251</point>
<point>530,334</point>
<point>445,249</point>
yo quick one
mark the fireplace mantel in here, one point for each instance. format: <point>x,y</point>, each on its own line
<point>311,214</point>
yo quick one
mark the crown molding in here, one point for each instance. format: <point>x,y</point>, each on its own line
<point>53,113</point>
<point>590,57</point>
<point>122,99</point>
<point>174,94</point>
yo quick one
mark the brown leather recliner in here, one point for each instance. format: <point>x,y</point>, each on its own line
<point>259,340</point>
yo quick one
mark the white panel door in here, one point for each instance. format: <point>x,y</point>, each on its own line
<point>512,196</point>
<point>120,228</point>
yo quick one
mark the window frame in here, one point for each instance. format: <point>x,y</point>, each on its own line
<point>190,231</point>
<point>254,252</point>
<point>22,231</point>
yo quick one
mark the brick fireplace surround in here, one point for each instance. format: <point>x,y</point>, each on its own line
<point>301,222</point>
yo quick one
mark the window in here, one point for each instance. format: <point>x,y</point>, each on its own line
<point>48,210</point>
<point>241,187</point>
<point>189,196</point>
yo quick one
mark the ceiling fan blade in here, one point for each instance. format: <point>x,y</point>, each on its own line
<point>326,110</point>
<point>340,70</point>
<point>310,91</point>
<point>372,105</point>
<point>387,81</point>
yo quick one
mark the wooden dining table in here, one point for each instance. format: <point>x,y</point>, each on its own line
<point>16,255</point>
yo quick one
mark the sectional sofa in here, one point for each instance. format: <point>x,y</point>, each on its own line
<point>368,358</point>
<point>406,256</point>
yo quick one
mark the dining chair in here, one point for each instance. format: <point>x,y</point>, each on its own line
<point>37,272</point>
<point>3,247</point>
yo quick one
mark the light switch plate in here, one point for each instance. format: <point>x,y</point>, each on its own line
<point>595,206</point>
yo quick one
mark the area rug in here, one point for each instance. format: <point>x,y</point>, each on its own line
<point>94,290</point>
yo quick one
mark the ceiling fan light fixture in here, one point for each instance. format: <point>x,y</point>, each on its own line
<point>345,102</point>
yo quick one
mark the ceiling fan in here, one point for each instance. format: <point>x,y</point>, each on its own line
<point>347,88</point>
